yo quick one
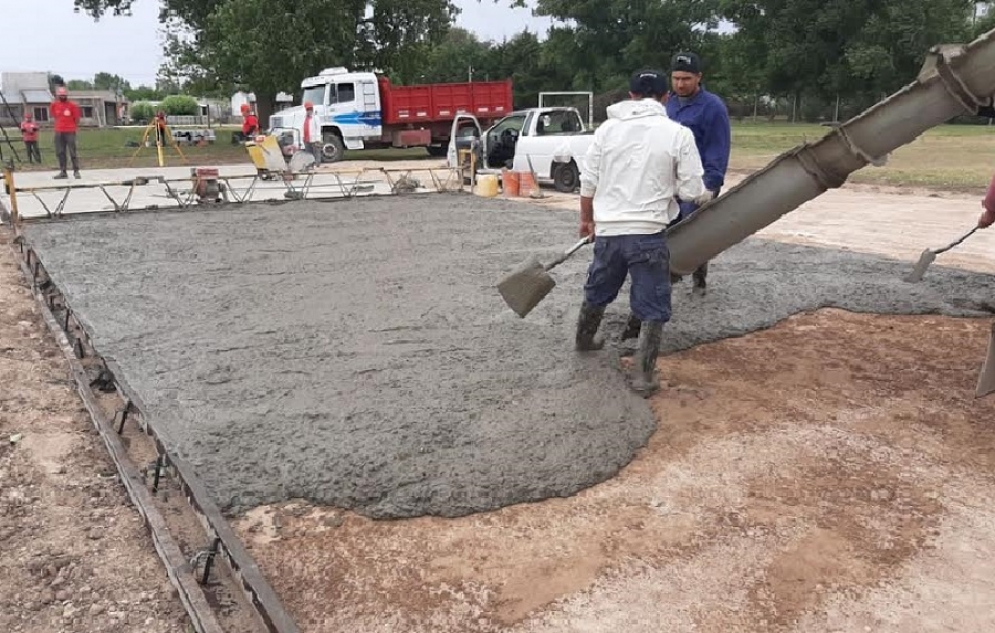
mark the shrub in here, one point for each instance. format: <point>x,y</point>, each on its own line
<point>180,105</point>
<point>142,112</point>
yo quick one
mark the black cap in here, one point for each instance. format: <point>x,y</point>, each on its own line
<point>685,62</point>
<point>648,83</point>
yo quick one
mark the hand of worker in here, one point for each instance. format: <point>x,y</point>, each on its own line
<point>987,217</point>
<point>587,229</point>
<point>704,198</point>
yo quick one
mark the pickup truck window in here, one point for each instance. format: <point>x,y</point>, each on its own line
<point>558,122</point>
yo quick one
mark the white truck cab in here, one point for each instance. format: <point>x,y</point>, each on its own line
<point>550,141</point>
<point>348,108</point>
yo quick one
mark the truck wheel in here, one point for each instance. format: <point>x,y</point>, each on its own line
<point>566,177</point>
<point>332,150</point>
<point>439,151</point>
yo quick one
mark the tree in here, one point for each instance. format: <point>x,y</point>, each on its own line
<point>180,105</point>
<point>107,81</point>
<point>79,84</point>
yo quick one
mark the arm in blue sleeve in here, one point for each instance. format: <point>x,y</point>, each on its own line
<point>718,140</point>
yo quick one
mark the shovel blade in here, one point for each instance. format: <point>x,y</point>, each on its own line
<point>527,285</point>
<point>925,260</point>
<point>986,379</point>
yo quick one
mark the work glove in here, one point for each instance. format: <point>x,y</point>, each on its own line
<point>704,198</point>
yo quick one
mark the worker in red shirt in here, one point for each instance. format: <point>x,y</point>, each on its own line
<point>29,134</point>
<point>66,115</point>
<point>250,123</point>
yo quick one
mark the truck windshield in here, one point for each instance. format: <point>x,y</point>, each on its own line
<point>314,94</point>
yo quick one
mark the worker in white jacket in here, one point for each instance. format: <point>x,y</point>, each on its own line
<point>311,132</point>
<point>638,164</point>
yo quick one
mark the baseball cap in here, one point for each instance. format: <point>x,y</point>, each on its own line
<point>685,62</point>
<point>649,83</point>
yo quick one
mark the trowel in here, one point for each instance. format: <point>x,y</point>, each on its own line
<point>527,285</point>
<point>986,379</point>
<point>929,255</point>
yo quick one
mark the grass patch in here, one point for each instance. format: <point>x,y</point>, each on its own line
<point>954,157</point>
<point>108,149</point>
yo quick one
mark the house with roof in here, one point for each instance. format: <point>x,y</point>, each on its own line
<point>30,92</point>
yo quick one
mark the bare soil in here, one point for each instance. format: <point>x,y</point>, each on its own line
<point>830,474</point>
<point>76,555</point>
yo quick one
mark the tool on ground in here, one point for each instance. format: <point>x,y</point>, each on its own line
<point>163,136</point>
<point>529,284</point>
<point>929,255</point>
<point>986,379</point>
<point>536,193</point>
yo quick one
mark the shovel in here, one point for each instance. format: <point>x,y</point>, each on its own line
<point>986,379</point>
<point>929,255</point>
<point>529,284</point>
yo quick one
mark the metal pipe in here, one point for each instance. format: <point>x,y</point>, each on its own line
<point>954,80</point>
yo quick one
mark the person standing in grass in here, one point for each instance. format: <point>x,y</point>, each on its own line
<point>66,115</point>
<point>29,134</point>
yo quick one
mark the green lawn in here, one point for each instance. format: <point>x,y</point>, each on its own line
<point>956,157</point>
<point>950,157</point>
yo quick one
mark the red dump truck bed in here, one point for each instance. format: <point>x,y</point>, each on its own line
<point>434,103</point>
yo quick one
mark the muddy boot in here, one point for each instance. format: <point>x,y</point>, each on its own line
<point>588,339</point>
<point>61,175</point>
<point>643,380</point>
<point>699,276</point>
<point>632,327</point>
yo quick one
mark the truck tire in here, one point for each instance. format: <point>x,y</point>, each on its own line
<point>566,177</point>
<point>332,148</point>
<point>438,151</point>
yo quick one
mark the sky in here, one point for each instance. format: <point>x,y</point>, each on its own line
<point>76,47</point>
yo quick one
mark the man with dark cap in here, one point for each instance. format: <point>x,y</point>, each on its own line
<point>637,166</point>
<point>706,114</point>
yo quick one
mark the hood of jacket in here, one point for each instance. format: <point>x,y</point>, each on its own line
<point>633,109</point>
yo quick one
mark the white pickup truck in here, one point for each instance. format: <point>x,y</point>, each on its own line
<point>554,140</point>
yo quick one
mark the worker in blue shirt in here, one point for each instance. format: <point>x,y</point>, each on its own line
<point>706,114</point>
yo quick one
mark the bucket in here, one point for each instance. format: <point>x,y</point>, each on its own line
<point>510,181</point>
<point>487,185</point>
<point>527,184</point>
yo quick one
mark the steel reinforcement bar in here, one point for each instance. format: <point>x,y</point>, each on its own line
<point>74,339</point>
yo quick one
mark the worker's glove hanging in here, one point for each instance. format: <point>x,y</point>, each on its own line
<point>704,198</point>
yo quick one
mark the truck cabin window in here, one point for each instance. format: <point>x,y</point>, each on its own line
<point>314,94</point>
<point>344,93</point>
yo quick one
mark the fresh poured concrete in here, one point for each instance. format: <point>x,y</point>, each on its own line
<point>356,353</point>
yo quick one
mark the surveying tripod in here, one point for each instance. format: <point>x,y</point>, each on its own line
<point>161,130</point>
<point>3,132</point>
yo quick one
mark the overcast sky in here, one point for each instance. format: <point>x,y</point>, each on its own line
<point>74,46</point>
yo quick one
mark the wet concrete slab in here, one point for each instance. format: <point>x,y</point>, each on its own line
<point>356,353</point>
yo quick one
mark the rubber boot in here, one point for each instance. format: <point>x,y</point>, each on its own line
<point>588,339</point>
<point>632,327</point>
<point>699,276</point>
<point>644,381</point>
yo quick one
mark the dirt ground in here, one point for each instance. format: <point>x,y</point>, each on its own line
<point>76,556</point>
<point>844,486</point>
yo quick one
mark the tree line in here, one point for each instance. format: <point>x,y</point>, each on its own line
<point>804,59</point>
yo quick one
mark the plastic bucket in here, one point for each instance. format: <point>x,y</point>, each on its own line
<point>487,185</point>
<point>527,184</point>
<point>510,181</point>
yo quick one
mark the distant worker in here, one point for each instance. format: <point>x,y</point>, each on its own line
<point>66,115</point>
<point>637,165</point>
<point>29,134</point>
<point>250,123</point>
<point>706,114</point>
<point>161,128</point>
<point>311,132</point>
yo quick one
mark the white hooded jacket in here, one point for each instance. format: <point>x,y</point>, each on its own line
<point>639,162</point>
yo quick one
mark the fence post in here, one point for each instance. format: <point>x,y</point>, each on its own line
<point>8,178</point>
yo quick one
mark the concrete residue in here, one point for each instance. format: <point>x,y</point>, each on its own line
<point>357,353</point>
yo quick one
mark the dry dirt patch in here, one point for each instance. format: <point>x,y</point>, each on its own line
<point>831,473</point>
<point>75,555</point>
